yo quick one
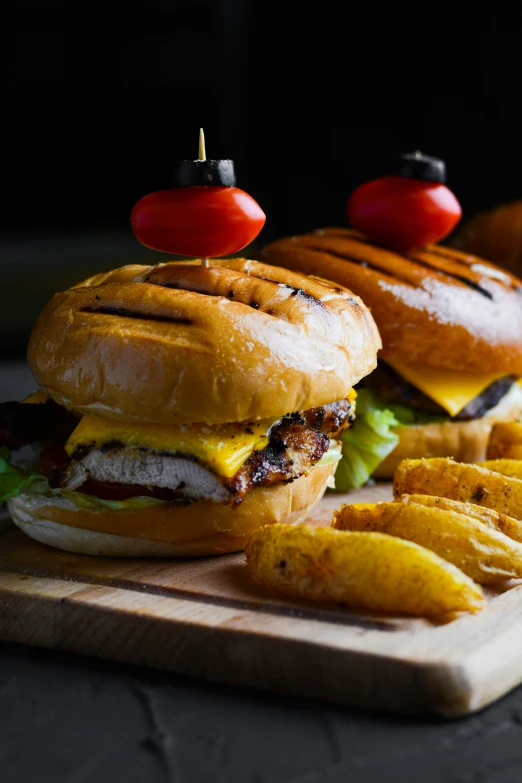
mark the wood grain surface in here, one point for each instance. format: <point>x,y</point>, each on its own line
<point>203,617</point>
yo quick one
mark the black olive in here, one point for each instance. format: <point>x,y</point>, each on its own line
<point>415,165</point>
<point>204,172</point>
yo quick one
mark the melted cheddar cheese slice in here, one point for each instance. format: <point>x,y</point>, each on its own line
<point>452,389</point>
<point>37,398</point>
<point>225,447</point>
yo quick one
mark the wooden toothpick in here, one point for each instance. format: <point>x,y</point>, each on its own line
<point>202,151</point>
<point>203,156</point>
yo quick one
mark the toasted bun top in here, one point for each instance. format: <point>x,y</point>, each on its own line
<point>436,306</point>
<point>495,235</point>
<point>180,343</point>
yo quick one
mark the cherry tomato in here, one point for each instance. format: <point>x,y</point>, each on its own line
<point>403,213</point>
<point>200,220</point>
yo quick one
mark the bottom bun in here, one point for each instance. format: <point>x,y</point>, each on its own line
<point>201,528</point>
<point>464,441</point>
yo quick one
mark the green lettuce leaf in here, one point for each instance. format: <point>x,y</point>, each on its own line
<point>332,455</point>
<point>13,479</point>
<point>407,416</point>
<point>367,442</point>
<point>92,503</point>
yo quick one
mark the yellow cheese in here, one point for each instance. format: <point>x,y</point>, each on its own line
<point>352,396</point>
<point>37,397</point>
<point>452,389</point>
<point>224,447</point>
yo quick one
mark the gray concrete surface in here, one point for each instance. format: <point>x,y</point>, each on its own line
<point>71,720</point>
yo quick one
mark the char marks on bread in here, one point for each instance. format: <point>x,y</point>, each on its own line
<point>180,343</point>
<point>436,306</point>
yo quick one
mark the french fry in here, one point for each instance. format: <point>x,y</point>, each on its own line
<point>506,467</point>
<point>370,571</point>
<point>493,519</point>
<point>480,551</point>
<point>458,481</point>
<point>505,441</point>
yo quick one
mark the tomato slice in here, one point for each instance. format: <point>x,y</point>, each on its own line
<point>106,491</point>
<point>200,220</point>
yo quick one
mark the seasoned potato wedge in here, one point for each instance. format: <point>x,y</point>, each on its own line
<point>505,441</point>
<point>506,467</point>
<point>458,481</point>
<point>484,554</point>
<point>494,519</point>
<point>370,571</point>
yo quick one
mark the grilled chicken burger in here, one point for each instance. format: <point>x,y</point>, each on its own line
<point>181,407</point>
<point>451,326</point>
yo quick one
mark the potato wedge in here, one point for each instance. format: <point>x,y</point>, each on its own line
<point>505,441</point>
<point>506,467</point>
<point>459,481</point>
<point>370,571</point>
<point>508,525</point>
<point>484,554</point>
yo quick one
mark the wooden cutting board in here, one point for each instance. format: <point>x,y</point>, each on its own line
<point>204,618</point>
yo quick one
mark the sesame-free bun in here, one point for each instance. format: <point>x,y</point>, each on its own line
<point>179,343</point>
<point>495,234</point>
<point>463,441</point>
<point>201,528</point>
<point>435,306</point>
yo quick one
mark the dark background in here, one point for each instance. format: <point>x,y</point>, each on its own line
<point>98,100</point>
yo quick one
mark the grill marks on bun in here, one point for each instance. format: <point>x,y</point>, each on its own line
<point>268,296</point>
<point>123,313</point>
<point>131,305</point>
<point>350,249</point>
<point>436,306</point>
<point>416,268</point>
<point>245,284</point>
<point>180,343</point>
<point>453,268</point>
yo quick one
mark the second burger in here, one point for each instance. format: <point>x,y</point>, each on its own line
<point>451,323</point>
